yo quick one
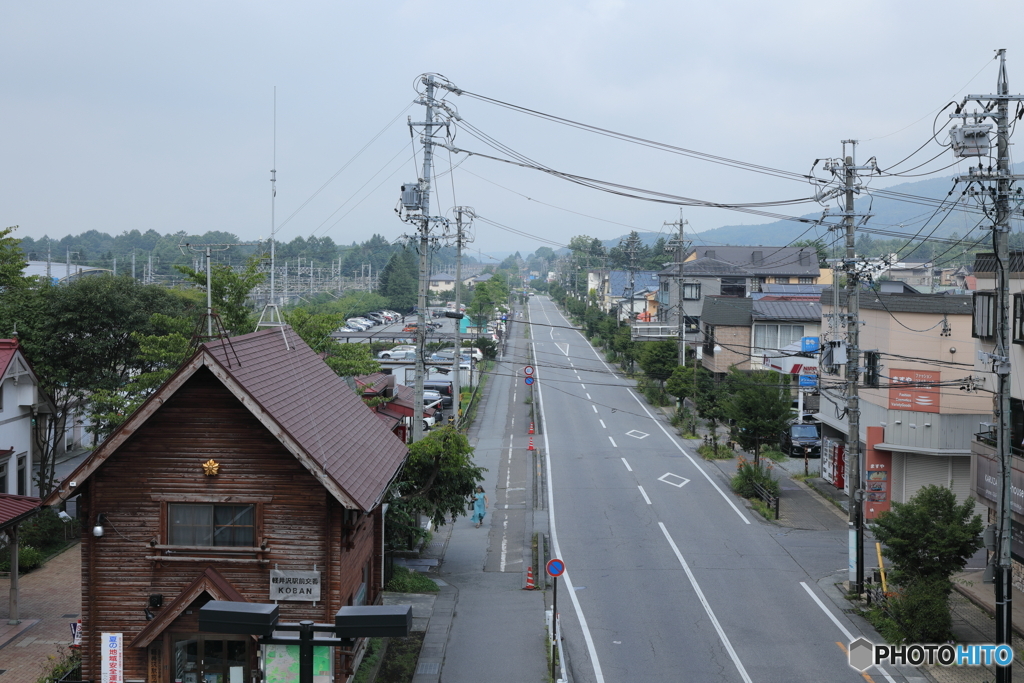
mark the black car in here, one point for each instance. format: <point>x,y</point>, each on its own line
<point>442,387</point>
<point>793,441</point>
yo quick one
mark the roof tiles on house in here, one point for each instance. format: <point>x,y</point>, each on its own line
<point>729,311</point>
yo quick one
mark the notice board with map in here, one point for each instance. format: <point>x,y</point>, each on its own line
<point>281,664</point>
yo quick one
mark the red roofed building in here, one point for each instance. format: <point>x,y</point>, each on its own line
<point>254,474</point>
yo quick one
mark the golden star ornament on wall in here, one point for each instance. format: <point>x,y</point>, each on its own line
<point>211,467</point>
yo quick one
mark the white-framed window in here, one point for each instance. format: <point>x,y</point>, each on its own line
<point>691,291</point>
<point>806,281</point>
<point>772,337</point>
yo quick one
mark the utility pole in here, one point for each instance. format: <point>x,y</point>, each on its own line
<point>630,245</point>
<point>457,377</point>
<point>972,140</point>
<point>416,205</point>
<point>679,245</point>
<point>273,199</point>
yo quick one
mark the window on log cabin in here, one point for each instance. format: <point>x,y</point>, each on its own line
<point>214,525</point>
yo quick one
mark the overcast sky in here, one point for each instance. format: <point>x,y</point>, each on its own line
<point>139,115</point>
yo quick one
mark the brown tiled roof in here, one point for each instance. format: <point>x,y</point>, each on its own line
<point>316,408</point>
<point>296,396</point>
<point>16,509</point>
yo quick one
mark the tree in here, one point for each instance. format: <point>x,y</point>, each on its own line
<point>928,537</point>
<point>819,247</point>
<point>12,261</point>
<point>659,360</point>
<point>398,281</point>
<point>710,404</point>
<point>682,384</point>
<point>759,406</point>
<point>347,360</point>
<point>230,292</point>
<point>438,478</point>
<point>82,338</point>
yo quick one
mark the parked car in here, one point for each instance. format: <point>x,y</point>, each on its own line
<point>443,387</point>
<point>431,398</point>
<point>411,327</point>
<point>477,354</point>
<point>376,317</point>
<point>792,441</point>
<point>367,321</point>
<point>357,324</point>
<point>397,351</point>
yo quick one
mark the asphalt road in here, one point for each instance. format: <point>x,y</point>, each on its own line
<point>669,576</point>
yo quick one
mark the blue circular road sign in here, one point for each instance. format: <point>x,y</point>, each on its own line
<point>555,567</point>
<point>528,380</point>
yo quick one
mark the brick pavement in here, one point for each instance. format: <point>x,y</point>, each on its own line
<point>49,596</point>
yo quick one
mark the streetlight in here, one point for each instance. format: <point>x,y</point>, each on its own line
<point>261,619</point>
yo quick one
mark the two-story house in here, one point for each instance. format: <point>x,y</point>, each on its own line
<point>253,474</point>
<point>24,410</point>
<point>918,407</point>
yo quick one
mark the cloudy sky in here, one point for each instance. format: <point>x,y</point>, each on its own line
<point>129,115</point>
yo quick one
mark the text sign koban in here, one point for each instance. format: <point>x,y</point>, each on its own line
<point>555,567</point>
<point>294,585</point>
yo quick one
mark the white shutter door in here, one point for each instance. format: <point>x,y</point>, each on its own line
<point>922,470</point>
<point>961,477</point>
<point>897,476</point>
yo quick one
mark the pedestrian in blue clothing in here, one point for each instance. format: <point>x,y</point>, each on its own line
<point>479,506</point>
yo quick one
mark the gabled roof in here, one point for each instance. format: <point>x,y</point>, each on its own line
<point>939,303</point>
<point>766,260</point>
<point>442,277</point>
<point>16,509</point>
<point>210,582</point>
<point>299,399</point>
<point>707,267</point>
<point>618,281</point>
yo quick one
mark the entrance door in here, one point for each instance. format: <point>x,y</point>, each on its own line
<point>211,659</point>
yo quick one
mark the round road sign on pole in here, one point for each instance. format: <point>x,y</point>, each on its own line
<point>528,380</point>
<point>555,567</point>
<point>528,370</point>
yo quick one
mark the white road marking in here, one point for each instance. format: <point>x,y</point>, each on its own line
<point>627,465</point>
<point>603,424</point>
<point>637,434</point>
<point>504,544</point>
<point>828,613</point>
<point>584,386</point>
<point>675,443</point>
<point>587,637</point>
<point>644,494</point>
<point>613,442</point>
<point>590,399</point>
<point>594,407</point>
<point>683,480</point>
<point>707,607</point>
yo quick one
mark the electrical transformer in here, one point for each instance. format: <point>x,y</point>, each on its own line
<point>411,197</point>
<point>971,139</point>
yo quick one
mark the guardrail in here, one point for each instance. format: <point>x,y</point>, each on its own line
<point>772,501</point>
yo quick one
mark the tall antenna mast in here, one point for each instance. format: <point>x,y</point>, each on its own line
<point>273,197</point>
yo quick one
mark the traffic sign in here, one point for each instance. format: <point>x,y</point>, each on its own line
<point>528,380</point>
<point>555,567</point>
<point>528,370</point>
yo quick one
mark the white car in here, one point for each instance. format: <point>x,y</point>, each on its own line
<point>477,354</point>
<point>399,350</point>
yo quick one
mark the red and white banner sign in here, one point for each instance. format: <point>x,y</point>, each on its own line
<point>914,390</point>
<point>111,658</point>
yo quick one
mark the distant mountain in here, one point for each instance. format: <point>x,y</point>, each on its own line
<point>904,217</point>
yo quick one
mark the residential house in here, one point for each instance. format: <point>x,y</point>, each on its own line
<point>610,286</point>
<point>253,474</point>
<point>442,282</point>
<point>918,404</point>
<point>24,410</point>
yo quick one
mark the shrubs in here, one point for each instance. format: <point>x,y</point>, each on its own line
<point>38,538</point>
<point>406,581</point>
<point>709,452</point>
<point>28,558</point>
<point>917,614</point>
<point>748,474</point>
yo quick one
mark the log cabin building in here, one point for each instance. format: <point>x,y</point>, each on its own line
<point>253,474</point>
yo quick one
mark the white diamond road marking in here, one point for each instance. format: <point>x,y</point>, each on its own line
<point>683,481</point>
<point>637,434</point>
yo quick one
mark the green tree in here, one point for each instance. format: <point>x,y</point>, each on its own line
<point>682,384</point>
<point>12,261</point>
<point>759,406</point>
<point>659,360</point>
<point>930,536</point>
<point>230,292</point>
<point>347,360</point>
<point>819,247</point>
<point>438,478</point>
<point>710,398</point>
<point>398,281</point>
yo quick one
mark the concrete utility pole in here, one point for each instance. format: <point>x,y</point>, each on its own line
<point>630,245</point>
<point>854,460</point>
<point>457,376</point>
<point>679,245</point>
<point>416,201</point>
<point>972,140</point>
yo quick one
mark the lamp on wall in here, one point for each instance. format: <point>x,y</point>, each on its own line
<point>97,530</point>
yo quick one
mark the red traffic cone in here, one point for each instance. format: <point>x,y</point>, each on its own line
<point>531,429</point>
<point>531,445</point>
<point>530,586</point>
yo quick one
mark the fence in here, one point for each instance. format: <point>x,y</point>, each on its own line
<point>771,500</point>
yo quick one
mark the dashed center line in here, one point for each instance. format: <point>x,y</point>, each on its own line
<point>594,407</point>
<point>603,424</point>
<point>627,465</point>
<point>644,494</point>
<point>590,399</point>
<point>583,385</point>
<point>613,442</point>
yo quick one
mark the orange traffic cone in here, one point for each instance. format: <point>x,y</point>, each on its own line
<point>530,586</point>
<point>531,429</point>
<point>531,444</point>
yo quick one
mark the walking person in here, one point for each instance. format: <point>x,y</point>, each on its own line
<point>479,506</point>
